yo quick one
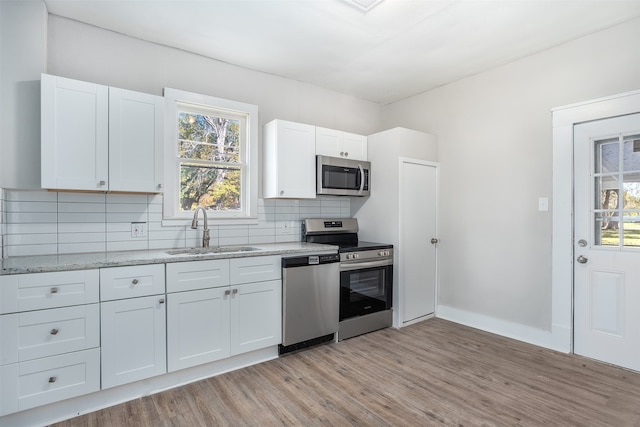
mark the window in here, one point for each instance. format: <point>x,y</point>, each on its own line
<point>210,157</point>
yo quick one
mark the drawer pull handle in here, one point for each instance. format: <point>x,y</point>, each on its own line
<point>54,290</point>
<point>53,379</point>
<point>54,331</point>
<point>235,291</point>
<point>161,301</point>
<point>135,281</point>
<point>227,292</point>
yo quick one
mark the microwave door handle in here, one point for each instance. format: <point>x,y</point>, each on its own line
<point>361,179</point>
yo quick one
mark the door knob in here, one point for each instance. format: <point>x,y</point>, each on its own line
<point>434,241</point>
<point>582,260</point>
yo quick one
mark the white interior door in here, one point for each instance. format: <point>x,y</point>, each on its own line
<point>607,240</point>
<point>417,262</point>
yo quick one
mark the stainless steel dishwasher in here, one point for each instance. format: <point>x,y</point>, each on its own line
<point>310,300</point>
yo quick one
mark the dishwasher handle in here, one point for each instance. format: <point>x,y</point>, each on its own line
<point>302,261</point>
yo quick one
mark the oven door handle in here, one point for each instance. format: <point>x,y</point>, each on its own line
<point>361,179</point>
<point>366,264</point>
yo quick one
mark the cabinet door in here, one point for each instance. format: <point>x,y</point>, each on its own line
<point>328,142</point>
<point>354,146</point>
<point>133,340</point>
<point>256,313</point>
<point>197,327</point>
<point>335,143</point>
<point>289,160</point>
<point>74,134</point>
<point>135,141</point>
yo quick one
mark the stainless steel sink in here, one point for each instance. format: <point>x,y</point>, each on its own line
<point>213,250</point>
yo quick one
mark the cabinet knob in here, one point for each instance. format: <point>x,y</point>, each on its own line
<point>135,281</point>
<point>346,154</point>
<point>54,331</point>
<point>53,379</point>
<point>54,290</point>
<point>160,186</point>
<point>282,192</point>
<point>342,153</point>
<point>235,291</point>
<point>227,292</point>
<point>161,301</point>
<point>102,183</point>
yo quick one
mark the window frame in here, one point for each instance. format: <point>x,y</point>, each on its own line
<point>174,99</point>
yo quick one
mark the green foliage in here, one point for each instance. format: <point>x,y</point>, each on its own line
<point>211,147</point>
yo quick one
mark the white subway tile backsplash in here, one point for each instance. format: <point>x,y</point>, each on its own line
<point>128,246</point>
<point>128,199</point>
<point>34,228</point>
<point>77,248</point>
<point>30,217</point>
<point>30,250</point>
<point>30,239</point>
<point>30,196</point>
<point>42,222</point>
<point>64,238</point>
<point>75,217</point>
<point>226,241</point>
<point>82,198</point>
<point>38,207</point>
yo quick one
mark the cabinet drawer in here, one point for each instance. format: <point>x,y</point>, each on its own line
<point>43,333</point>
<point>189,276</point>
<point>24,292</point>
<point>130,282</point>
<point>37,382</point>
<point>255,269</point>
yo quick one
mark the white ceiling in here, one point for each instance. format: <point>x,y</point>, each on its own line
<point>397,49</point>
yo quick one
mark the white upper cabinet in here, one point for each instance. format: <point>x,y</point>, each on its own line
<point>335,143</point>
<point>289,160</point>
<point>99,138</point>
<point>75,134</point>
<point>135,141</point>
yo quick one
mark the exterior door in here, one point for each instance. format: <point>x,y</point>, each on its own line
<point>418,196</point>
<point>607,240</point>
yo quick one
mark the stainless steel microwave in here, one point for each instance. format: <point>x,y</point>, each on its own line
<point>342,177</point>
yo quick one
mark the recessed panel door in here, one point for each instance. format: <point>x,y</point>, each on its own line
<point>418,239</point>
<point>607,240</point>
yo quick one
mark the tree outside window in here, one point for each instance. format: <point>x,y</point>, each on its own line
<point>210,158</point>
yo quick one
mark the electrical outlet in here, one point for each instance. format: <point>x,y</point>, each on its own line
<point>286,228</point>
<point>138,229</point>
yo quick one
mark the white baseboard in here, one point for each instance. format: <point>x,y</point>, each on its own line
<point>547,339</point>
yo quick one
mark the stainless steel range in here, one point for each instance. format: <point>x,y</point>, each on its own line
<point>366,275</point>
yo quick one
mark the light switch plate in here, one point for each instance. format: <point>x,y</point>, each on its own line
<point>543,204</point>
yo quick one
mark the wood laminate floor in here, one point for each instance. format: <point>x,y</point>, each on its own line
<point>432,373</point>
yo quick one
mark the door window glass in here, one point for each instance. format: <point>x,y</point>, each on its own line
<point>616,190</point>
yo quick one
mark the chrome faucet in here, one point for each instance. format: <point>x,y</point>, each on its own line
<point>194,225</point>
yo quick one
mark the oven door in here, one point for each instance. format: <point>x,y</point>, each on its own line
<point>365,287</point>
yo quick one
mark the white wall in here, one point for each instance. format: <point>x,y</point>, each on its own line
<point>88,53</point>
<point>495,138</point>
<point>23,29</point>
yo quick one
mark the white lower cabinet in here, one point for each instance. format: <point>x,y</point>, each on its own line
<point>49,338</point>
<point>133,339</point>
<point>229,318</point>
<point>197,328</point>
<point>38,382</point>
<point>256,312</point>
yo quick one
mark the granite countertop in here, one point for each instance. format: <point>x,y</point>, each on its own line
<point>47,263</point>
